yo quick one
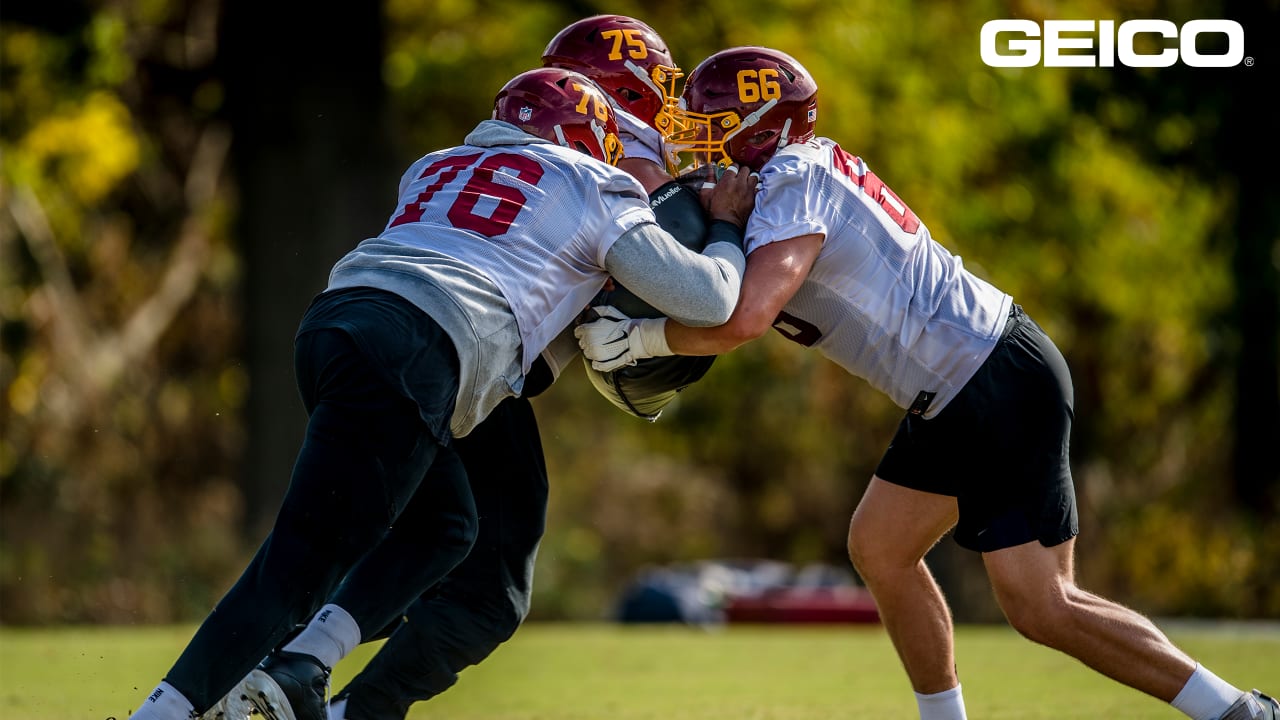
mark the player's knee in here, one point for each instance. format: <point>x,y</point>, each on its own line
<point>855,551</point>
<point>869,552</point>
<point>510,614</point>
<point>1038,615</point>
<point>862,552</point>
<point>459,536</point>
<point>497,618</point>
<point>469,531</point>
<point>495,612</point>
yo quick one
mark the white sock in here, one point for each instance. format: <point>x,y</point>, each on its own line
<point>1205,696</point>
<point>329,637</point>
<point>165,703</point>
<point>946,705</point>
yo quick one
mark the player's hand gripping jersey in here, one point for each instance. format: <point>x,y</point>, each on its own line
<point>883,299</point>
<point>506,239</point>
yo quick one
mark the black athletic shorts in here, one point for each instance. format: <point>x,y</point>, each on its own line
<point>1001,446</point>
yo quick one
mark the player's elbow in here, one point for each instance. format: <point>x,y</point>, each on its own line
<point>742,328</point>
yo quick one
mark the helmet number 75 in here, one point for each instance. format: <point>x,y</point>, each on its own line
<point>636,48</point>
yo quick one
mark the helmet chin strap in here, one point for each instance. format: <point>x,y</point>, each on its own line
<point>750,120</point>
<point>754,117</point>
<point>600,133</point>
<point>786,132</point>
<point>664,94</point>
<point>644,78</point>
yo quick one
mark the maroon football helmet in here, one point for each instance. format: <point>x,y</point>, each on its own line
<point>564,107</point>
<point>626,58</point>
<point>742,105</point>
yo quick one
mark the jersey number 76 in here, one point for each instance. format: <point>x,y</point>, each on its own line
<point>462,213</point>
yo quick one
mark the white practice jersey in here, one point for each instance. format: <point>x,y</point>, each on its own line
<point>503,241</point>
<point>883,300</point>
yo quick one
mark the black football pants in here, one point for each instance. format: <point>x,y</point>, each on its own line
<point>482,602</point>
<point>370,476</point>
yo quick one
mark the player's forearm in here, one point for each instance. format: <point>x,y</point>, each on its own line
<point>696,289</point>
<point>685,340</point>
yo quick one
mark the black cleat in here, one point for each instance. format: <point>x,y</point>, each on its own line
<point>289,686</point>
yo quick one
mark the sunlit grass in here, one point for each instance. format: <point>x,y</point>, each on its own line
<point>588,671</point>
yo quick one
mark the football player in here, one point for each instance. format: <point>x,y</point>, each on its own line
<point>482,602</point>
<point>838,262</point>
<point>493,249</point>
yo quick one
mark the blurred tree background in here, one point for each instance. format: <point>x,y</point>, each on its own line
<point>178,177</point>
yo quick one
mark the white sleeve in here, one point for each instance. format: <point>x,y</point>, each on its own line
<point>623,205</point>
<point>788,203</point>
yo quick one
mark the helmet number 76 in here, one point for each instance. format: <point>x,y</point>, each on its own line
<point>598,107</point>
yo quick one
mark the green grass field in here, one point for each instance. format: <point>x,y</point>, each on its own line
<point>593,672</point>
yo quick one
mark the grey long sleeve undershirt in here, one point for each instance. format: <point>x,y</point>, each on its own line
<point>698,290</point>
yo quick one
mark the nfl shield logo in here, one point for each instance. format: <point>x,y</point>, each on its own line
<point>525,114</point>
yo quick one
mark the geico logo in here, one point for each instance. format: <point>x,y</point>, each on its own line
<point>1113,43</point>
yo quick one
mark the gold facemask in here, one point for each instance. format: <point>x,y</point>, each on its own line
<point>663,79</point>
<point>698,140</point>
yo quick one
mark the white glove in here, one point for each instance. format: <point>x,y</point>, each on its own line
<point>614,341</point>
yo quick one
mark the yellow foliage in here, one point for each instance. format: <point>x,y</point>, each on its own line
<point>89,150</point>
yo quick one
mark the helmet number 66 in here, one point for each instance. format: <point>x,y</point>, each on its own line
<point>754,85</point>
